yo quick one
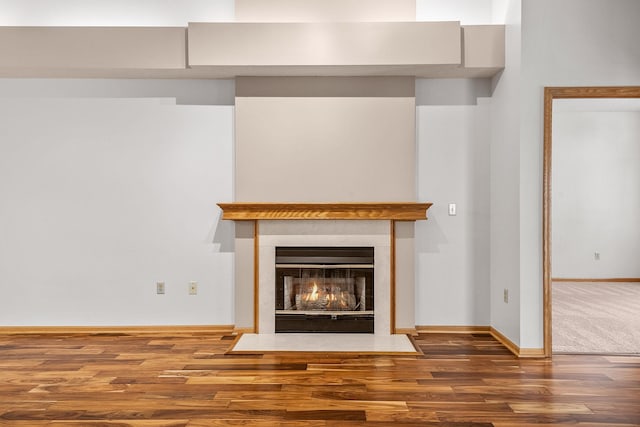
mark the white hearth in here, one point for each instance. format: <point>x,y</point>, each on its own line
<point>359,343</point>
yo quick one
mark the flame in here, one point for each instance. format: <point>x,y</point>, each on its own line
<point>324,297</point>
<point>313,296</point>
<point>343,302</point>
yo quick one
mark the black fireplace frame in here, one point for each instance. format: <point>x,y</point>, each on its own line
<point>356,261</point>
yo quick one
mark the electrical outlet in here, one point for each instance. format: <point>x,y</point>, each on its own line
<point>159,288</point>
<point>193,288</point>
<point>506,295</point>
<point>596,256</point>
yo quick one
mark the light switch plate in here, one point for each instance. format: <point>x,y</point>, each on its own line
<point>452,209</point>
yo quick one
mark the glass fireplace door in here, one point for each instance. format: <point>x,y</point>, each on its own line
<point>324,289</point>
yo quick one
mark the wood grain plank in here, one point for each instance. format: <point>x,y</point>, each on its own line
<point>459,380</point>
<point>401,211</point>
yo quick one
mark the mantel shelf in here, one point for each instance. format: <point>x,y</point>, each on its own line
<point>400,211</point>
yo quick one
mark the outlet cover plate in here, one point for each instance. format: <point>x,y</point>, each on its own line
<point>193,288</point>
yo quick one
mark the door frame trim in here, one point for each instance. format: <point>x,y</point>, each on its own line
<point>551,93</point>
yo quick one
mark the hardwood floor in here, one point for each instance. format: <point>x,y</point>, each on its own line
<point>461,380</point>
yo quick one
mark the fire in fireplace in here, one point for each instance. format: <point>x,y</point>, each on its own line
<point>324,289</point>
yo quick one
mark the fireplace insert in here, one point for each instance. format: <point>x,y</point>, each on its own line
<point>324,289</point>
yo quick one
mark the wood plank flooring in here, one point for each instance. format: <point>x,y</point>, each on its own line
<point>187,380</point>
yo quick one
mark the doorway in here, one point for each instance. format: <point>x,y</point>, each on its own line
<point>551,94</point>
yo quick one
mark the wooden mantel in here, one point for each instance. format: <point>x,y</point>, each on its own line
<point>399,211</point>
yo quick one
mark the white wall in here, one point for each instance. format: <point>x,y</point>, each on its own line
<point>167,13</point>
<point>453,251</point>
<point>596,194</point>
<point>325,10</point>
<point>468,12</point>
<point>103,197</point>
<point>572,43</point>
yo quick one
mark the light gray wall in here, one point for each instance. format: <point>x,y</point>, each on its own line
<point>569,43</point>
<point>142,12</point>
<point>405,275</point>
<point>572,43</point>
<point>504,183</point>
<point>243,283</point>
<point>451,91</point>
<point>453,286</point>
<point>187,92</point>
<point>104,193</point>
<point>102,198</point>
<point>453,251</point>
<point>596,194</point>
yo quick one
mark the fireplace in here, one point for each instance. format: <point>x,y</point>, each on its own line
<point>324,289</point>
<point>262,227</point>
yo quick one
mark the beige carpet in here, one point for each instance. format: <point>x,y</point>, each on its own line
<point>594,317</point>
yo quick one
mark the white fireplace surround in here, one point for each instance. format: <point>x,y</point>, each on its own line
<point>371,233</point>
